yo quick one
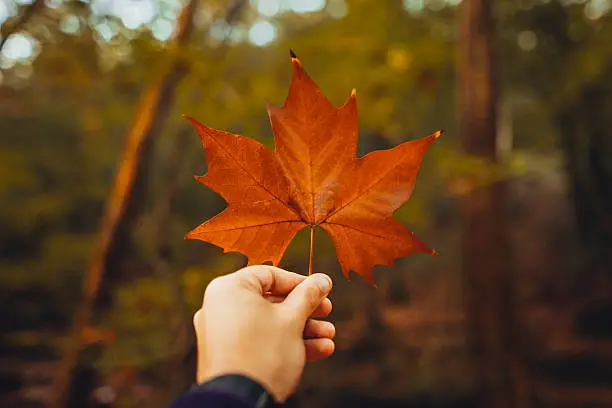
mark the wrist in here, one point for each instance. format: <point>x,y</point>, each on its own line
<point>264,369</point>
<point>241,387</point>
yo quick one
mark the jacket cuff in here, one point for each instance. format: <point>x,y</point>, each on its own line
<point>240,387</point>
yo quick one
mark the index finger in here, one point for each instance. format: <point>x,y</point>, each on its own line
<point>269,279</point>
<point>323,310</point>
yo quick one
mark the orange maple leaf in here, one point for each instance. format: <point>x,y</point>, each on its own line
<point>312,179</point>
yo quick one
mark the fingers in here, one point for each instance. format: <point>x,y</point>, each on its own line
<point>316,349</point>
<point>323,310</point>
<point>319,329</point>
<point>307,296</point>
<point>265,278</point>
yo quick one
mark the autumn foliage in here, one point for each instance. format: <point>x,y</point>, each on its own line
<point>313,178</point>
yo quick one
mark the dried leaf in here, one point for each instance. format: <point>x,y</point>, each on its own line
<point>312,179</point>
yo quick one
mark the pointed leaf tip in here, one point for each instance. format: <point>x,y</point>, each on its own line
<point>354,92</point>
<point>193,121</point>
<point>189,118</point>
<point>292,54</point>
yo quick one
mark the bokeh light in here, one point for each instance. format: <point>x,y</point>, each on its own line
<point>527,40</point>
<point>268,7</point>
<point>18,47</point>
<point>262,33</point>
<point>306,6</point>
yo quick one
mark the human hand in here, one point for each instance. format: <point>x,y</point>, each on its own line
<point>259,322</point>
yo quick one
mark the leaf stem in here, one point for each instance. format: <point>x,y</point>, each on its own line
<point>311,249</point>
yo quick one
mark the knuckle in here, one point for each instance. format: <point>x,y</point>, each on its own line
<point>254,276</point>
<point>262,277</point>
<point>215,286</point>
<point>248,280</point>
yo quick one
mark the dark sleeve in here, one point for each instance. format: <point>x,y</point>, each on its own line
<point>226,391</point>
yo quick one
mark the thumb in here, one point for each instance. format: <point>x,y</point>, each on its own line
<point>308,295</point>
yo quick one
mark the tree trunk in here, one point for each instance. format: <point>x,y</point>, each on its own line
<point>583,126</point>
<point>488,288</point>
<point>150,115</point>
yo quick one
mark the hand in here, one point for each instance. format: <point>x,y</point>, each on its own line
<point>259,322</point>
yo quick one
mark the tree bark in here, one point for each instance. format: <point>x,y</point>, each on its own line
<point>487,283</point>
<point>583,126</point>
<point>151,113</point>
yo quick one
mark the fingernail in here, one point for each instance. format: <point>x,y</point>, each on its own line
<point>324,283</point>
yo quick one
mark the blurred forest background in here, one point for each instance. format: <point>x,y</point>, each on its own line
<point>98,287</point>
